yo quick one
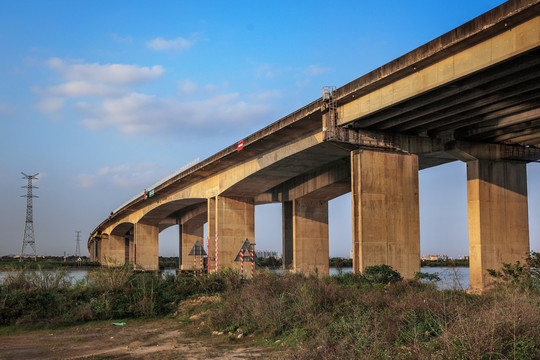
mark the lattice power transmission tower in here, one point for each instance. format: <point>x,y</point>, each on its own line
<point>28,237</point>
<point>78,248</point>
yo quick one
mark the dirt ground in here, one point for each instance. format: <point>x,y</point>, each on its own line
<point>149,339</point>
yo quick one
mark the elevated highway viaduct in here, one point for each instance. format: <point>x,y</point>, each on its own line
<point>470,95</point>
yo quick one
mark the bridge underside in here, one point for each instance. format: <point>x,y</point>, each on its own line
<point>471,95</point>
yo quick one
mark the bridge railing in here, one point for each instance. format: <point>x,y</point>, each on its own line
<point>162,181</point>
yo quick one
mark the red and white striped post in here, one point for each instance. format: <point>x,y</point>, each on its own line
<point>208,253</point>
<point>216,253</point>
<point>194,267</point>
<point>242,264</point>
<point>252,263</point>
<point>201,264</point>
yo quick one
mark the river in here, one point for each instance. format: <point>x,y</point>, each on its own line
<point>451,277</point>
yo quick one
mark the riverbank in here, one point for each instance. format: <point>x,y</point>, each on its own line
<point>374,315</point>
<point>163,338</point>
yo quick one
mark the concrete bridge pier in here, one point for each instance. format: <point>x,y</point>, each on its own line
<point>116,250</point>
<point>190,232</point>
<point>232,219</point>
<point>287,235</point>
<point>498,216</point>
<point>310,236</point>
<point>95,249</point>
<point>146,246</point>
<point>305,236</point>
<point>385,210</point>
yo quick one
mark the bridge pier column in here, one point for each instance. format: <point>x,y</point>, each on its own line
<point>103,249</point>
<point>116,250</point>
<point>146,246</point>
<point>310,236</point>
<point>99,244</point>
<point>498,216</point>
<point>129,249</point>
<point>93,249</point>
<point>233,219</point>
<point>190,232</point>
<point>386,225</point>
<point>287,234</point>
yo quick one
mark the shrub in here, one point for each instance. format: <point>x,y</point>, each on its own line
<point>381,274</point>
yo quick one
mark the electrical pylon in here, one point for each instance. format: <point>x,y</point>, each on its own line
<point>78,248</point>
<point>28,237</point>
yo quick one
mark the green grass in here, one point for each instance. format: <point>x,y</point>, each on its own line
<point>372,316</point>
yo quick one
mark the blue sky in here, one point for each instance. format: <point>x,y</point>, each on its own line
<point>105,98</point>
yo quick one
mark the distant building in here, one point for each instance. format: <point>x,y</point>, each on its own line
<point>266,253</point>
<point>434,257</point>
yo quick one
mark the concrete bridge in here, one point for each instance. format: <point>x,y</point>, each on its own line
<point>470,95</point>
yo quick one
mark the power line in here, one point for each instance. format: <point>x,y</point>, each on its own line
<point>28,237</point>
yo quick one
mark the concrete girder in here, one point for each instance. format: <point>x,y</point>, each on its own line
<point>159,207</point>
<point>167,223</point>
<point>427,147</point>
<point>324,183</point>
<point>165,209</point>
<point>518,133</point>
<point>490,127</point>
<point>512,105</point>
<point>122,229</point>
<point>197,213</point>
<point>469,151</point>
<point>274,174</point>
<point>516,40</point>
<point>462,102</point>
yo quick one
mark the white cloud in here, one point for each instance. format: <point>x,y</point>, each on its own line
<point>115,102</point>
<point>92,80</point>
<point>126,176</point>
<point>161,44</point>
<point>111,74</point>
<point>138,113</point>
<point>315,70</point>
<point>51,104</point>
<point>82,89</point>
<point>187,87</point>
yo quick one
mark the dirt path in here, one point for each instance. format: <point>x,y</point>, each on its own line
<point>150,339</point>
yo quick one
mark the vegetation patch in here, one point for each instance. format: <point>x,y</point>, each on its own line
<point>365,316</point>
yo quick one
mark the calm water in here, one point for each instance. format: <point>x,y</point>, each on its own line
<point>451,278</point>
